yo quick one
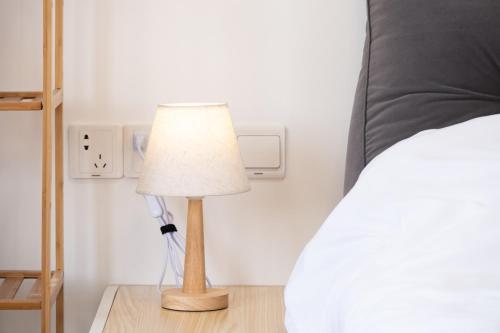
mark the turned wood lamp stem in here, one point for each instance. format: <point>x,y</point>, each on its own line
<point>194,295</point>
<point>194,261</point>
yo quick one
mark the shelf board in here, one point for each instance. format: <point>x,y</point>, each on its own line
<point>33,301</point>
<point>27,100</point>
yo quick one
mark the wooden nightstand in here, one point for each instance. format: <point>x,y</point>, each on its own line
<point>252,309</point>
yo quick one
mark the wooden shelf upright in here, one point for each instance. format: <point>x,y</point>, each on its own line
<point>48,286</point>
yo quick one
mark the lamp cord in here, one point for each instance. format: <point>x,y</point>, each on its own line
<point>174,242</point>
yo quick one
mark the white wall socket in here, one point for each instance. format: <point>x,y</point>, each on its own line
<point>95,151</point>
<point>132,160</point>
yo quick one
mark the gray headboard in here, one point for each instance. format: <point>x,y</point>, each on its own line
<point>427,64</point>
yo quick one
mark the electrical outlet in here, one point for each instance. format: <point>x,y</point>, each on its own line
<point>132,160</point>
<point>95,151</point>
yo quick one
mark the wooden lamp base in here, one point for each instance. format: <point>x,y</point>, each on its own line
<point>211,299</point>
<point>194,295</point>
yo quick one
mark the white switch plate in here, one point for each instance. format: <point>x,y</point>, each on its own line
<point>131,158</point>
<point>262,149</point>
<point>95,151</point>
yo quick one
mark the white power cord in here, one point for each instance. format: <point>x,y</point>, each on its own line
<point>173,240</point>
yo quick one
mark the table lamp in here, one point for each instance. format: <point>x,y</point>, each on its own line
<point>193,153</point>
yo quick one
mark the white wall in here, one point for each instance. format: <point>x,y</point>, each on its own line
<point>285,61</point>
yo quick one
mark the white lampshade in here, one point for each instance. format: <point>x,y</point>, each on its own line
<point>192,152</point>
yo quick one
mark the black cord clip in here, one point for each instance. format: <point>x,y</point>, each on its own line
<point>168,228</point>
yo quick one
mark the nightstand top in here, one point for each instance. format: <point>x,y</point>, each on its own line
<point>251,309</point>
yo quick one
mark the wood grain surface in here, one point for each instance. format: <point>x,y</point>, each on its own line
<point>251,309</point>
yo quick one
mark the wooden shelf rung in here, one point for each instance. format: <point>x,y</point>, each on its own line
<point>10,286</point>
<point>20,273</point>
<point>20,101</point>
<point>27,101</point>
<point>20,304</point>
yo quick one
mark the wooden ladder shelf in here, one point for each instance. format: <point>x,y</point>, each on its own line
<point>48,284</point>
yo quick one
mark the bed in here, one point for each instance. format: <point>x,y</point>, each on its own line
<point>413,245</point>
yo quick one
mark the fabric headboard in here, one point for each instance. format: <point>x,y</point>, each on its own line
<point>427,64</point>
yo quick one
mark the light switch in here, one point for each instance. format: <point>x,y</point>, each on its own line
<point>262,150</point>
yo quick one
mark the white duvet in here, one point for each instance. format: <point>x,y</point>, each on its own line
<point>415,245</point>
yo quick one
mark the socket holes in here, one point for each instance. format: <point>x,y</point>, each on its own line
<point>86,146</point>
<point>103,166</point>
